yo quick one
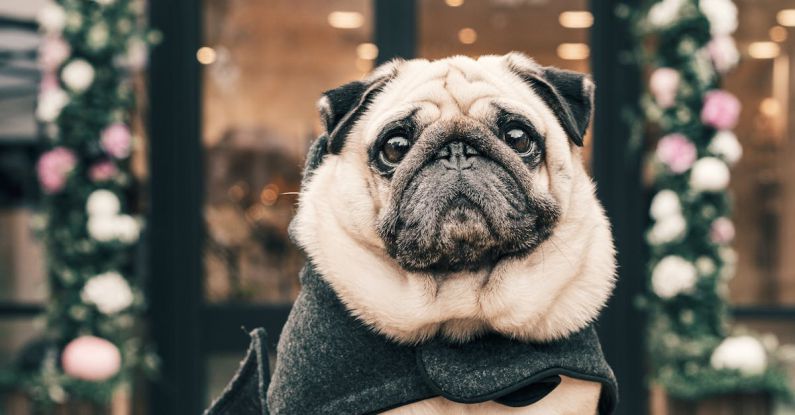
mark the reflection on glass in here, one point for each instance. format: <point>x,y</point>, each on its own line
<point>266,64</point>
<point>554,33</point>
<point>763,182</point>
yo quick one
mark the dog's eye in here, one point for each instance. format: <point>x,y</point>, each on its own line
<point>519,141</point>
<point>394,149</point>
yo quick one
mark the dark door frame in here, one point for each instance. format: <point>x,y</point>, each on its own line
<point>186,330</point>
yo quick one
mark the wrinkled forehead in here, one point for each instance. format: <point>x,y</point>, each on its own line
<point>458,87</point>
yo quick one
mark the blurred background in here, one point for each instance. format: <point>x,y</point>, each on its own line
<point>228,114</point>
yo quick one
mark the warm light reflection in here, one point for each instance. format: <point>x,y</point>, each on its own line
<point>454,3</point>
<point>367,51</point>
<point>786,17</point>
<point>770,107</point>
<point>763,50</point>
<point>205,55</point>
<point>467,36</point>
<point>573,51</point>
<point>778,33</point>
<point>345,20</point>
<point>576,19</point>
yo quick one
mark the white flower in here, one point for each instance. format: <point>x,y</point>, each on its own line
<point>709,174</point>
<point>78,75</point>
<point>722,16</point>
<point>50,105</point>
<point>743,353</point>
<point>726,145</point>
<point>664,204</point>
<point>663,84</point>
<point>137,55</point>
<point>105,2</point>
<point>51,18</point>
<point>664,13</point>
<point>127,228</point>
<point>668,229</point>
<point>723,52</point>
<point>110,292</point>
<point>673,275</point>
<point>102,203</point>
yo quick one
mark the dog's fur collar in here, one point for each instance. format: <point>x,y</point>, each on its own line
<point>557,290</point>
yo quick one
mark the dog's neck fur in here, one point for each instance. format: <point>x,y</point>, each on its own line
<point>556,290</point>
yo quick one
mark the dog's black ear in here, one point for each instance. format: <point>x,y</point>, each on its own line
<point>568,94</point>
<point>341,107</point>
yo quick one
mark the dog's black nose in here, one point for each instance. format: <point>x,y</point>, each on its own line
<point>457,155</point>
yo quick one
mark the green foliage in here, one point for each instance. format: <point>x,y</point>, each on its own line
<point>685,329</point>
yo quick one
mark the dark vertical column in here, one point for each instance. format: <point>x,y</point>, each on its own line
<point>617,170</point>
<point>395,27</point>
<point>175,226</point>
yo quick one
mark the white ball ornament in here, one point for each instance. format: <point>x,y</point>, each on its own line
<point>722,16</point>
<point>664,13</point>
<point>78,75</point>
<point>668,229</point>
<point>709,174</point>
<point>51,18</point>
<point>109,292</point>
<point>673,275</point>
<point>103,203</point>
<point>665,204</point>
<point>743,353</point>
<point>726,145</point>
<point>102,228</point>
<point>127,228</point>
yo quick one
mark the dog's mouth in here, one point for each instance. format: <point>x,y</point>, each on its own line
<point>461,220</point>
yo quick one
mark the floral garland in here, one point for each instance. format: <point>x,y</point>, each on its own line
<point>89,52</point>
<point>694,353</point>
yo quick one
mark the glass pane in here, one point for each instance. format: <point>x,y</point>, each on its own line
<point>266,64</point>
<point>15,334</point>
<point>554,33</point>
<point>763,181</point>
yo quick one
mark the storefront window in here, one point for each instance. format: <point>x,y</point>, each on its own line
<point>763,182</point>
<point>266,64</point>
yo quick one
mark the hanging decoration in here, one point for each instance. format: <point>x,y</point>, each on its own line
<point>694,351</point>
<point>91,50</point>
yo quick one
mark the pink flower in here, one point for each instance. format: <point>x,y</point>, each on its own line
<point>663,85</point>
<point>721,231</point>
<point>54,167</point>
<point>676,152</point>
<point>49,82</point>
<point>102,171</point>
<point>116,140</point>
<point>723,52</point>
<point>721,110</point>
<point>52,52</point>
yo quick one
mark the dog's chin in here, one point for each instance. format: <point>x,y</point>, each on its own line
<point>465,241</point>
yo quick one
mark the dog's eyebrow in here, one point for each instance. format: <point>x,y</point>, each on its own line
<point>405,119</point>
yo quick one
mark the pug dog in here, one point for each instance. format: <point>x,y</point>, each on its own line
<point>457,253</point>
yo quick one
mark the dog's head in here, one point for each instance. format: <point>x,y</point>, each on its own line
<point>450,195</point>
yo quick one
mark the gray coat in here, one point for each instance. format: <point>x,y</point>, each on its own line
<point>330,363</point>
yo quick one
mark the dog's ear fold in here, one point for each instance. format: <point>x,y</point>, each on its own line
<point>568,94</point>
<point>341,107</point>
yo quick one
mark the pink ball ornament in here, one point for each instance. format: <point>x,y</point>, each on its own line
<point>663,85</point>
<point>676,152</point>
<point>116,140</point>
<point>91,358</point>
<point>52,52</point>
<point>721,110</point>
